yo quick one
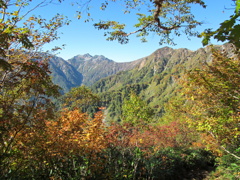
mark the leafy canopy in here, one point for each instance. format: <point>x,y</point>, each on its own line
<point>136,111</point>
<point>228,30</point>
<point>22,30</point>
<point>213,101</point>
<point>80,98</point>
<point>26,88</point>
<point>163,17</point>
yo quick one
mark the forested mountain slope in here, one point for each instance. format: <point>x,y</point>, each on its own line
<point>154,79</point>
<point>64,74</point>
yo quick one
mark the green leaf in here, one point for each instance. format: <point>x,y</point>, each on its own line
<point>237,6</point>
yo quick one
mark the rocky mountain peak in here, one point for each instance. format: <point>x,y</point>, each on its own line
<point>87,55</point>
<point>100,58</point>
<point>163,51</point>
<point>84,57</point>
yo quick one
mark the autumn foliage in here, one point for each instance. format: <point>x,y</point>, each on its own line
<point>174,134</point>
<point>75,132</point>
<point>213,101</point>
<point>39,141</point>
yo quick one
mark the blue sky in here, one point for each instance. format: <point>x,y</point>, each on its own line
<point>82,38</point>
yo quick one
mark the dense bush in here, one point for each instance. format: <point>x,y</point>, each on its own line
<point>78,147</point>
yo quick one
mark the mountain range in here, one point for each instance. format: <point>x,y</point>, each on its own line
<point>154,78</point>
<point>84,70</point>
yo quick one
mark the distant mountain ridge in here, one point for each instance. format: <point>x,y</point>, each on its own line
<point>85,70</point>
<point>94,68</point>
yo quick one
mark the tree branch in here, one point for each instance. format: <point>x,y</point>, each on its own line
<point>158,5</point>
<point>223,148</point>
<point>144,27</point>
